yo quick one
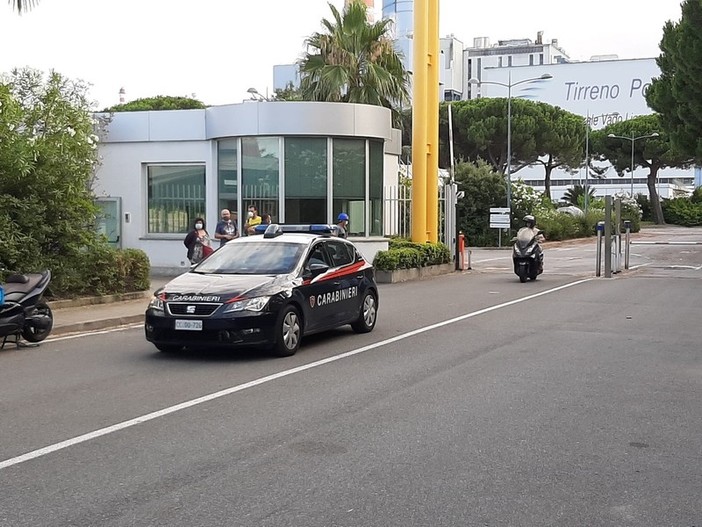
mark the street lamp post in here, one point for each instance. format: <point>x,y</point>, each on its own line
<point>509,86</point>
<point>256,96</point>
<point>633,140</point>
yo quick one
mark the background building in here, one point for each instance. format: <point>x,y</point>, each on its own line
<point>301,162</point>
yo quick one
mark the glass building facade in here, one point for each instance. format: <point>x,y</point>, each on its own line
<point>304,179</point>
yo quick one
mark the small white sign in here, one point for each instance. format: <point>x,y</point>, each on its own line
<point>499,210</point>
<point>189,325</point>
<point>499,218</point>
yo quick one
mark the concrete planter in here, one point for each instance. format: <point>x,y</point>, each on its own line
<point>416,273</point>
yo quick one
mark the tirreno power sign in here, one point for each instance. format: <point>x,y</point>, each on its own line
<point>604,92</point>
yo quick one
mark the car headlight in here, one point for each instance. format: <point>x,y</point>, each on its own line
<point>248,304</point>
<point>156,303</point>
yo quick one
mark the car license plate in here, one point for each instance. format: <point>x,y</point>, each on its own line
<point>189,325</point>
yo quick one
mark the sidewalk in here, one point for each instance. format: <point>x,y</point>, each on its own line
<point>84,314</point>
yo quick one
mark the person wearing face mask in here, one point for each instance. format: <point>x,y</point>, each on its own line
<point>198,242</point>
<point>252,220</point>
<point>226,229</point>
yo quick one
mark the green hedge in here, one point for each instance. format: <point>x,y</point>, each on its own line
<point>405,254</point>
<point>682,211</point>
<point>102,271</point>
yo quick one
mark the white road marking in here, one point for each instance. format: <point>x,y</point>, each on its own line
<point>91,333</point>
<point>257,382</point>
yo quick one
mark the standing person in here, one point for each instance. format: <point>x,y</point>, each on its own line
<point>198,242</point>
<point>342,225</point>
<point>252,220</point>
<point>227,228</point>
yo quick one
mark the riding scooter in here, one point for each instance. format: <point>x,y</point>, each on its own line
<point>23,311</point>
<point>527,255</point>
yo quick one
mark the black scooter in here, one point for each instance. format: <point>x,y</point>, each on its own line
<point>23,311</point>
<point>527,256</point>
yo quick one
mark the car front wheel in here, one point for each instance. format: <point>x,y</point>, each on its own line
<point>368,315</point>
<point>288,332</point>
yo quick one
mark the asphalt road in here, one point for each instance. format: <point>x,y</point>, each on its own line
<point>476,401</point>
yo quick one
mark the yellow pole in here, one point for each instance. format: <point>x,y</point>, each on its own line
<point>433,122</point>
<point>419,121</point>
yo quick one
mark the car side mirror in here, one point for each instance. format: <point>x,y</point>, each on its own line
<point>315,269</point>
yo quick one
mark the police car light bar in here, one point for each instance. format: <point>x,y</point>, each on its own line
<point>274,229</point>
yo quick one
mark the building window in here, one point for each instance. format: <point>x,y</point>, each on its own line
<point>349,176</point>
<point>499,62</point>
<point>531,59</point>
<point>509,61</point>
<point>176,196</point>
<point>260,174</point>
<point>305,180</point>
<point>227,156</point>
<point>375,187</point>
<point>541,58</point>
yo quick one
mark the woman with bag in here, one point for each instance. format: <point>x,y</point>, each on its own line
<point>198,242</point>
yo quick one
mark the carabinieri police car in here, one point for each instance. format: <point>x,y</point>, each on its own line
<point>268,291</point>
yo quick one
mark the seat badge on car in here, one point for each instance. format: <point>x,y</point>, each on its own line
<point>312,301</point>
<point>190,310</point>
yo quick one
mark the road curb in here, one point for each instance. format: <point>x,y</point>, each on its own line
<point>94,325</point>
<point>98,300</point>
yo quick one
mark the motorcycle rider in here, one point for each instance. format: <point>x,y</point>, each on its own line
<point>530,231</point>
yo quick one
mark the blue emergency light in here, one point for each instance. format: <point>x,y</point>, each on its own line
<point>2,296</point>
<point>275,229</point>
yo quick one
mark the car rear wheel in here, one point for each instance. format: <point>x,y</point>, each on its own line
<point>368,315</point>
<point>288,332</point>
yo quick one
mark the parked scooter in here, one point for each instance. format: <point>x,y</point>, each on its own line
<point>527,255</point>
<point>23,311</point>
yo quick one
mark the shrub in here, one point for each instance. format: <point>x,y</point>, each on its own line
<point>405,254</point>
<point>645,206</point>
<point>102,271</point>
<point>682,211</point>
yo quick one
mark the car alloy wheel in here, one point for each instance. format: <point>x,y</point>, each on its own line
<point>368,315</point>
<point>289,332</point>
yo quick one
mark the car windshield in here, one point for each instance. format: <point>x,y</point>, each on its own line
<point>252,258</point>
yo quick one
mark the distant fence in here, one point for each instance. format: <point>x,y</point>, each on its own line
<point>398,211</point>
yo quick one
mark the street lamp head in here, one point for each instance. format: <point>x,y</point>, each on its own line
<point>252,91</point>
<point>546,76</point>
<point>611,135</point>
<point>655,134</point>
<point>473,80</point>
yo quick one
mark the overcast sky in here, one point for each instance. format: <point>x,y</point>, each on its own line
<point>217,49</point>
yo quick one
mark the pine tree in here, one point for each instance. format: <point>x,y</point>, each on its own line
<point>677,93</point>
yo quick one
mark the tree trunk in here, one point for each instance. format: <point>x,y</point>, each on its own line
<point>547,179</point>
<point>653,197</point>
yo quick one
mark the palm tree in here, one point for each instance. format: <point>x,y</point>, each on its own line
<point>23,5</point>
<point>576,195</point>
<point>354,61</point>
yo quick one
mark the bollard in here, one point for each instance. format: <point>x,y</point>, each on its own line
<point>627,242</point>
<point>461,252</point>
<point>600,232</point>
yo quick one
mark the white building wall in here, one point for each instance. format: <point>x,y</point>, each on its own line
<point>123,174</point>
<point>284,75</point>
<point>451,70</point>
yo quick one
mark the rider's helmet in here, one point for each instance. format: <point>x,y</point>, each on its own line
<point>343,217</point>
<point>530,221</point>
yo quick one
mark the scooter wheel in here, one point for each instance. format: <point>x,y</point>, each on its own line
<point>522,273</point>
<point>33,334</point>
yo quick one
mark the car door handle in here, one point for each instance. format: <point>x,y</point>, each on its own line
<point>336,283</point>
<point>359,276</point>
